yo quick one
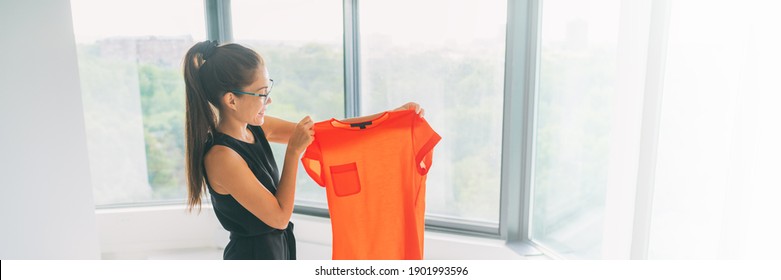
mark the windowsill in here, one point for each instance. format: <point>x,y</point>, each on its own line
<point>169,232</point>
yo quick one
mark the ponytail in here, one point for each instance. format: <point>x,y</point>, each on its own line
<point>209,71</point>
<point>200,121</point>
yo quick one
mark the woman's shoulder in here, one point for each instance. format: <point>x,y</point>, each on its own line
<point>220,152</point>
<point>222,162</point>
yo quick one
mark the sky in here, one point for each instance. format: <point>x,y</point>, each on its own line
<point>283,20</point>
<point>95,19</point>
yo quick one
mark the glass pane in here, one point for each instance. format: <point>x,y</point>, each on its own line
<point>133,94</point>
<point>447,56</point>
<point>577,87</point>
<point>301,41</point>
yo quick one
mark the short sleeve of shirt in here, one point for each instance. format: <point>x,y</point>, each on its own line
<point>424,138</point>
<point>313,162</point>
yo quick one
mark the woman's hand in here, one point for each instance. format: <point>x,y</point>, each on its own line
<point>303,135</point>
<point>412,106</point>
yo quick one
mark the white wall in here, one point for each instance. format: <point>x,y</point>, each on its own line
<point>46,206</point>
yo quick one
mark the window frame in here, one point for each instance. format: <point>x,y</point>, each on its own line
<point>521,72</point>
<point>521,60</point>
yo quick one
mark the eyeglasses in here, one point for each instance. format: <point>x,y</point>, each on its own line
<point>263,97</point>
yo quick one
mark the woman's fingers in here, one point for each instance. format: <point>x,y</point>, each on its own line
<point>303,135</point>
<point>412,105</point>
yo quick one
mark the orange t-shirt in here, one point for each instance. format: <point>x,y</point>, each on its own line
<point>375,178</point>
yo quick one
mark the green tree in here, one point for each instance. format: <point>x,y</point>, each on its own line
<point>162,103</point>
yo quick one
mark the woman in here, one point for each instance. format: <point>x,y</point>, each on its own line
<point>230,151</point>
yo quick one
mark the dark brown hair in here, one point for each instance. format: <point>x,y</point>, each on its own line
<point>210,70</point>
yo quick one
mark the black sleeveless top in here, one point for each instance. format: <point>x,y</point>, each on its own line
<point>251,238</point>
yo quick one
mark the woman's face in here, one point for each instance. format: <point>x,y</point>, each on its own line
<point>252,109</point>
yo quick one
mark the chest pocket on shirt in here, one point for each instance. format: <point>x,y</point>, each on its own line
<point>346,180</point>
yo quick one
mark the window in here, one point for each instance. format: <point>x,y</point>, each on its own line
<point>130,55</point>
<point>447,56</point>
<point>301,42</point>
<point>587,119</point>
